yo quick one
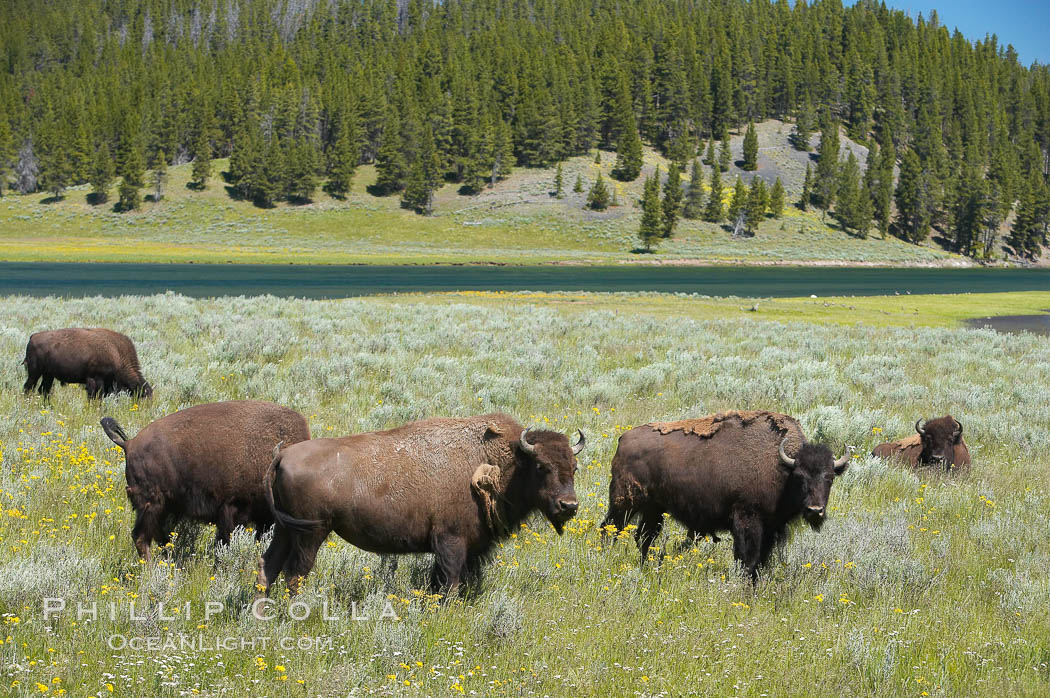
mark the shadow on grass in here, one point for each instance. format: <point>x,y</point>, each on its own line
<point>52,199</point>
<point>96,199</point>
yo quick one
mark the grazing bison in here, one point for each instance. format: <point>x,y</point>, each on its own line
<point>937,442</point>
<point>204,463</point>
<point>103,360</point>
<point>450,487</point>
<point>728,471</point>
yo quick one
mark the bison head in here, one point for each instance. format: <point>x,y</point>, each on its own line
<point>552,469</point>
<point>939,438</point>
<point>813,470</point>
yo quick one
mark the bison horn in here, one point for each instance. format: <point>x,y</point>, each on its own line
<point>789,462</point>
<point>525,445</point>
<point>579,444</point>
<point>958,428</point>
<point>919,426</point>
<point>845,458</point>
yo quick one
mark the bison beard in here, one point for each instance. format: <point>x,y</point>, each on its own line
<point>204,463</point>
<point>451,487</point>
<point>728,471</point>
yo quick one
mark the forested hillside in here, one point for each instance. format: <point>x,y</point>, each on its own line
<point>299,93</point>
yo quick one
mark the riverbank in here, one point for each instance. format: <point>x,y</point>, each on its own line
<point>516,222</point>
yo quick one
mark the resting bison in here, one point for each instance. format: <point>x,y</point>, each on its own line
<point>937,442</point>
<point>450,487</point>
<point>103,360</point>
<point>726,471</point>
<point>204,463</point>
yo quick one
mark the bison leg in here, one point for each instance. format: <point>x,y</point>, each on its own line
<point>145,531</point>
<point>648,529</point>
<point>274,559</point>
<point>46,383</point>
<point>747,541</point>
<point>450,561</point>
<point>31,380</point>
<point>227,521</point>
<point>94,387</point>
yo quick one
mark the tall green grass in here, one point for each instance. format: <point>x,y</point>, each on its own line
<point>917,585</point>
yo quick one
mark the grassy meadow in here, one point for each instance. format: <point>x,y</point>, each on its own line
<point>518,222</point>
<point>918,585</point>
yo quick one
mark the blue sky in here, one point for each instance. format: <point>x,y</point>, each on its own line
<point>1023,23</point>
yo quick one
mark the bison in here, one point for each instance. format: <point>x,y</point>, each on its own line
<point>937,442</point>
<point>451,487</point>
<point>728,471</point>
<point>103,360</point>
<point>204,463</point>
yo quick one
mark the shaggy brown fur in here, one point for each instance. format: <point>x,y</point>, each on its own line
<point>445,486</point>
<point>719,473</point>
<point>103,360</point>
<point>941,445</point>
<point>204,463</point>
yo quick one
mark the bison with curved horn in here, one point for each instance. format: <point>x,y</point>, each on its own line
<point>103,360</point>
<point>204,463</point>
<point>725,472</point>
<point>451,487</point>
<point>937,442</point>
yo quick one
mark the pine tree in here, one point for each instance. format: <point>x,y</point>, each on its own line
<point>694,195</point>
<point>578,186</point>
<point>558,183</point>
<point>160,175</point>
<point>738,201</point>
<point>342,159</point>
<point>55,165</point>
<point>804,125</point>
<point>750,148</point>
<point>825,179</point>
<point>628,156</point>
<point>597,156</point>
<point>709,159</point>
<point>725,156</point>
<point>715,211</point>
<point>672,203</point>
<point>1028,234</point>
<point>853,210</point>
<point>390,161</point>
<point>424,177</point>
<point>102,174</point>
<point>754,209</point>
<point>202,154</point>
<point>131,170</point>
<point>598,197</point>
<point>776,199</point>
<point>652,213</point>
<point>503,160</point>
<point>807,190</point>
<point>301,164</point>
<point>914,198</point>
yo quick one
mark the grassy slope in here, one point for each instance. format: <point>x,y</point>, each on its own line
<point>517,222</point>
<point>916,586</point>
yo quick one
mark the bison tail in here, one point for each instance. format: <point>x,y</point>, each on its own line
<point>114,432</point>
<point>281,517</point>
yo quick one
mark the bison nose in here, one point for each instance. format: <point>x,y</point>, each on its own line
<point>568,506</point>
<point>818,511</point>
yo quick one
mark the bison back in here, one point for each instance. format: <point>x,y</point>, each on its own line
<point>698,476</point>
<point>208,455</point>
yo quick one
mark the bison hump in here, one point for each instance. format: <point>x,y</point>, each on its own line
<point>706,427</point>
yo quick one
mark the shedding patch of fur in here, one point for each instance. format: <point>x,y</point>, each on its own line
<point>913,441</point>
<point>706,427</point>
<point>485,485</point>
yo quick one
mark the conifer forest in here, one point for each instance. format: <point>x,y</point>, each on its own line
<point>299,93</point>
